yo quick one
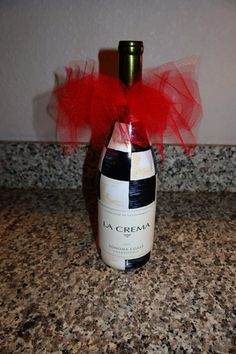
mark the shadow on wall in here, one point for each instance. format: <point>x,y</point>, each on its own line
<point>43,104</point>
<point>108,65</point>
<point>44,117</point>
<point>44,125</point>
<point>108,61</point>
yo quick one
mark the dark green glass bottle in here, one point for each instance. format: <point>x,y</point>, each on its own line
<point>127,181</point>
<point>130,62</point>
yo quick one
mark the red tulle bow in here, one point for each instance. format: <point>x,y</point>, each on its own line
<point>166,102</point>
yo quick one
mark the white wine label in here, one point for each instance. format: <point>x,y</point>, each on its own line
<point>114,193</point>
<point>142,165</point>
<point>127,234</point>
<point>126,198</point>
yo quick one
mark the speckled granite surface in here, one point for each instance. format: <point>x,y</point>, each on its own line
<point>58,297</point>
<point>27,165</point>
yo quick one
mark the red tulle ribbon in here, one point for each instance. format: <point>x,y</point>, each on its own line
<point>166,102</point>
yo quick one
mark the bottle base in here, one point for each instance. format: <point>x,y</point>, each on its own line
<point>125,264</point>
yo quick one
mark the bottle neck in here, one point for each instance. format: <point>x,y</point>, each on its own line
<point>130,69</point>
<point>130,62</point>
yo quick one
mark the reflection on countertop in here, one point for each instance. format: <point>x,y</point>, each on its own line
<point>57,295</point>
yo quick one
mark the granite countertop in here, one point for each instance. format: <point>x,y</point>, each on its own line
<point>57,296</point>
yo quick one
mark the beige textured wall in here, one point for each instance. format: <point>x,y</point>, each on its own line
<point>38,36</point>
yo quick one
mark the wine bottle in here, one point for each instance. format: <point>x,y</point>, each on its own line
<point>127,180</point>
